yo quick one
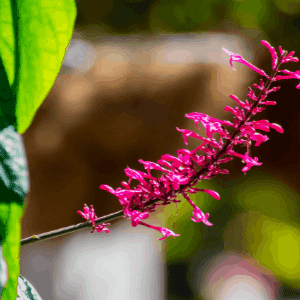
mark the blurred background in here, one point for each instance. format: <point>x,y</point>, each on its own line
<point>132,70</point>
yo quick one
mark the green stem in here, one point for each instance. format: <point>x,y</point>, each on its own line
<point>16,49</point>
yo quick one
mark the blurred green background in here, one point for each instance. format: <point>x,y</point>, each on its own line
<point>279,19</point>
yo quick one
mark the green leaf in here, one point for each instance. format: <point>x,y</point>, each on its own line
<point>25,291</point>
<point>34,35</point>
<point>7,115</point>
<point>11,215</point>
<point>14,185</point>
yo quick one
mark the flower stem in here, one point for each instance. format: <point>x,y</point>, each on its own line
<point>70,229</point>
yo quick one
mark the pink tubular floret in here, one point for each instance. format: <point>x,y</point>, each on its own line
<point>239,59</point>
<point>273,54</point>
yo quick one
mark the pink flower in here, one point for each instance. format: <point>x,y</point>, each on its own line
<point>164,231</point>
<point>292,75</point>
<point>238,58</point>
<point>199,216</point>
<point>136,216</point>
<point>247,159</point>
<point>89,214</point>
<point>181,173</point>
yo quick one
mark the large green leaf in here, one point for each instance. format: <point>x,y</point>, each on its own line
<point>14,183</point>
<point>7,107</point>
<point>25,291</point>
<point>34,35</point>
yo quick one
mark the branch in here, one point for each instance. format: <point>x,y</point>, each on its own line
<point>70,229</point>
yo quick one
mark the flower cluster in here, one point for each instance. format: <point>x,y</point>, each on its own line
<point>89,214</point>
<point>182,172</point>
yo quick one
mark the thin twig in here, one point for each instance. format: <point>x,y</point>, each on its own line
<point>70,229</point>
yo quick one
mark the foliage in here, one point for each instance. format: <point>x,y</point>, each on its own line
<point>33,39</point>
<point>32,46</point>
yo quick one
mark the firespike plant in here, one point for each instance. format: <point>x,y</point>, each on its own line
<point>180,174</point>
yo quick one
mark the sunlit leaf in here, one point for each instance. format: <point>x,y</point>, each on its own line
<point>34,35</point>
<point>14,184</point>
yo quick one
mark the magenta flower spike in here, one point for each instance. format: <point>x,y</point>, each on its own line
<point>180,174</point>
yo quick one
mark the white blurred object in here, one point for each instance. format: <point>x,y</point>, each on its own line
<point>241,287</point>
<point>173,49</point>
<point>124,264</point>
<point>205,48</point>
<point>79,55</point>
<point>232,276</point>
